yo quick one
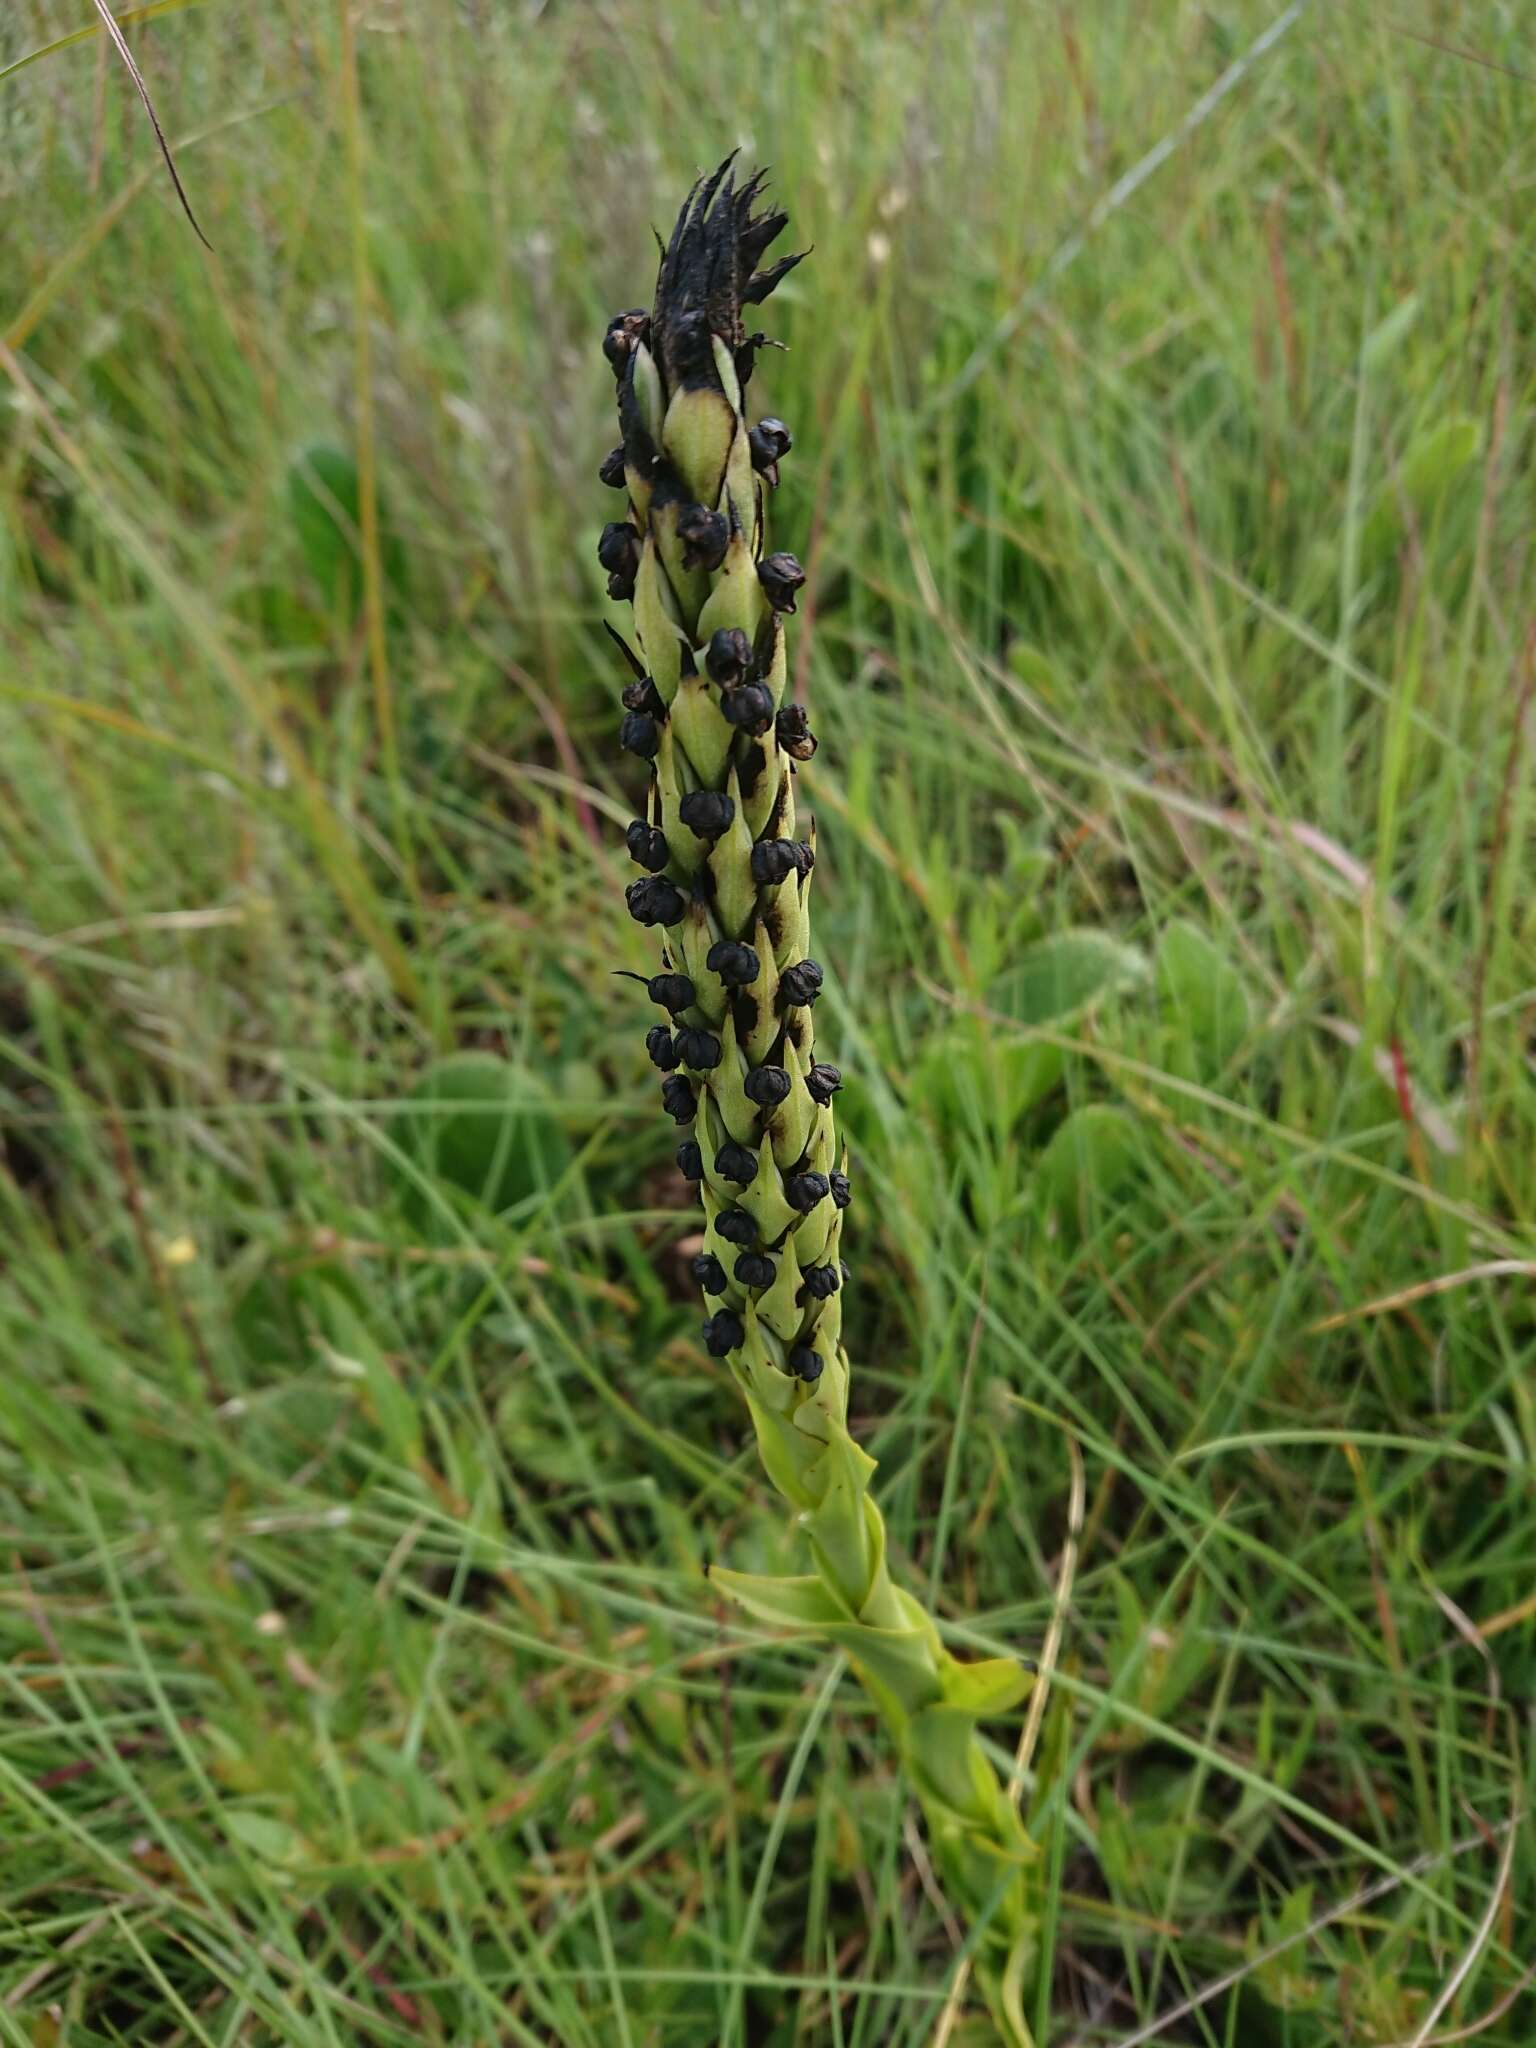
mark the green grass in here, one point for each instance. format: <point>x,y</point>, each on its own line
<point>360,1682</point>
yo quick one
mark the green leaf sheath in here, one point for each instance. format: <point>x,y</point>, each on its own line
<point>726,880</point>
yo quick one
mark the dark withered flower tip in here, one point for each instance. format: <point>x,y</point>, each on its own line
<point>707,812</point>
<point>660,1049</point>
<point>748,707</point>
<point>641,694</point>
<point>770,442</point>
<point>755,1269</point>
<point>674,992</point>
<point>653,900</point>
<point>690,1160</point>
<point>736,964</point>
<point>618,548</point>
<point>735,1162</point>
<point>625,331</point>
<point>820,1281</point>
<point>728,656</point>
<point>678,1099</point>
<point>793,731</point>
<point>709,1272</point>
<point>611,471</point>
<point>647,846</point>
<point>775,859</point>
<point>803,1191</point>
<point>805,1363</point>
<point>722,1332</point>
<point>766,1086</point>
<point>698,1048</point>
<point>640,734</point>
<point>621,588</point>
<point>823,1081</point>
<point>842,1193</point>
<point>801,983</point>
<point>781,576</point>
<point>704,535</point>
<point>736,1226</point>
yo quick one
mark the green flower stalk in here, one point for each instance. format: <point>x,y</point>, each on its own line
<point>727,867</point>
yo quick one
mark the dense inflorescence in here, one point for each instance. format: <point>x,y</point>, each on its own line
<point>726,863</point>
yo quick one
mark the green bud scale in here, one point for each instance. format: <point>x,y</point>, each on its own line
<point>710,600</point>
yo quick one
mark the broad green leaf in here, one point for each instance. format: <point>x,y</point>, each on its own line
<point>1090,1159</point>
<point>992,1685</point>
<point>1062,973</point>
<point>483,1126</point>
<point>1203,1001</point>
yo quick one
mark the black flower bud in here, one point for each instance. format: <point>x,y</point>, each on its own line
<point>794,732</point>
<point>612,470</point>
<point>709,1272</point>
<point>698,1048</point>
<point>774,859</point>
<point>736,964</point>
<point>770,442</point>
<point>690,1160</point>
<point>781,576</point>
<point>723,1332</point>
<point>618,549</point>
<point>641,694</point>
<point>621,588</point>
<point>736,1226</point>
<point>647,846</point>
<point>728,656</point>
<point>755,1269</point>
<point>736,1162</point>
<point>707,812</point>
<point>842,1193</point>
<point>674,992</point>
<point>678,1099</point>
<point>803,1191</point>
<point>823,1081</point>
<point>821,1281</point>
<point>653,900</point>
<point>766,1086</point>
<point>801,983</point>
<point>805,1362</point>
<point>658,1044</point>
<point>748,707</point>
<point>704,535</point>
<point>625,332</point>
<point>640,734</point>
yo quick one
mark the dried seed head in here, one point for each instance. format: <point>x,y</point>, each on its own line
<point>735,1162</point>
<point>769,442</point>
<point>640,734</point>
<point>625,332</point>
<point>800,984</point>
<point>641,694</point>
<point>698,1048</point>
<point>755,1269</point>
<point>766,1086</point>
<point>794,732</point>
<point>674,992</point>
<point>820,1282</point>
<point>647,846</point>
<point>842,1192</point>
<point>805,1363</point>
<point>728,656</point>
<point>781,576</point>
<point>803,1191</point>
<point>748,707</point>
<point>823,1081</point>
<point>722,1332</point>
<point>659,1045</point>
<point>736,964</point>
<point>707,812</point>
<point>678,1099</point>
<point>709,1272</point>
<point>690,1160</point>
<point>612,470</point>
<point>736,1226</point>
<point>653,900</point>
<point>704,535</point>
<point>774,859</point>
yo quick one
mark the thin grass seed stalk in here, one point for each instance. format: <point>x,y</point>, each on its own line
<point>726,866</point>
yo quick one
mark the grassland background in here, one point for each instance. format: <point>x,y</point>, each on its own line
<point>1170,581</point>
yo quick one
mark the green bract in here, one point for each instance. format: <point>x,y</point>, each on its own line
<point>731,900</point>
